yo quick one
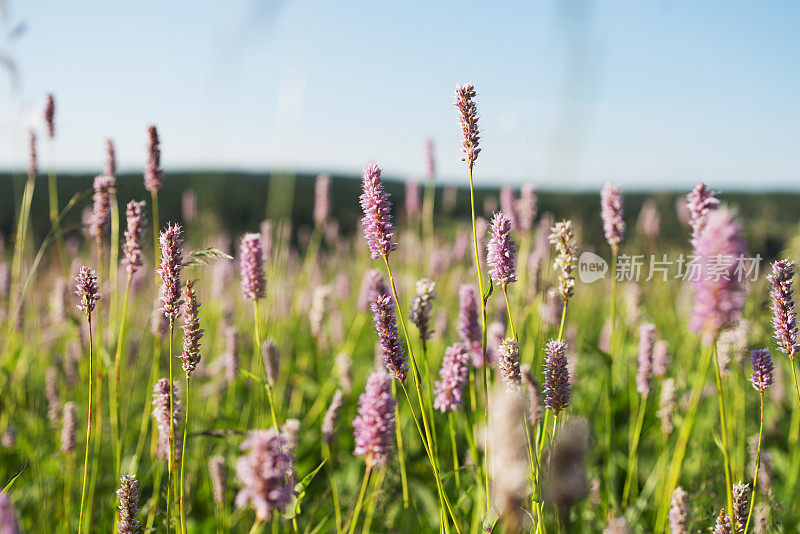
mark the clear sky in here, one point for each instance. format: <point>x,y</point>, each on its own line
<point>571,94</point>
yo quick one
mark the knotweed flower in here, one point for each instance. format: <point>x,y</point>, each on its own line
<point>110,168</point>
<point>783,314</point>
<point>331,418</point>
<point>153,175</point>
<point>502,252</point>
<point>68,428</point>
<point>377,221</point>
<point>192,333</point>
<point>667,405</point>
<point>373,427</point>
<point>271,357</point>
<point>762,378</point>
<point>741,506</point>
<point>454,374</point>
<point>51,394</point>
<point>430,160</point>
<point>723,524</point>
<point>678,512</point>
<point>264,473</point>
<point>421,304</point>
<point>161,414</point>
<point>101,210</point>
<point>508,364</point>
<point>649,221</point>
<point>251,267</point>
<point>9,522</point>
<point>87,290</point>
<point>563,237</point>
<point>372,287</point>
<point>719,294</point>
<point>231,355</point>
<point>389,338</point>
<point>9,439</point>
<point>509,460</point>
<point>290,431</point>
<point>528,207</point>
<point>317,312</point>
<point>128,494</point>
<point>170,272</point>
<point>611,213</point>
<point>617,525</point>
<point>701,202</point>
<point>534,394</point>
<point>661,358</point>
<point>647,337</point>
<point>133,236</point>
<point>469,330</point>
<point>508,205</point>
<point>33,167</point>
<point>469,122</point>
<point>412,199</point>
<point>556,376</point>
<point>322,199</point>
<point>216,468</point>
<point>49,115</point>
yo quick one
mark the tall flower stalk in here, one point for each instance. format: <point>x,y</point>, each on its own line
<point>501,258</point>
<point>784,320</point>
<point>154,178</point>
<point>468,119</point>
<point>52,181</point>
<point>647,335</point>
<point>761,379</point>
<point>87,290</point>
<point>22,227</point>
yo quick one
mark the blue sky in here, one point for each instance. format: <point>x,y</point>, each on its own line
<point>571,94</point>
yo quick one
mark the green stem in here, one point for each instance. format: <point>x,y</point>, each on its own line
<point>609,385</point>
<point>171,441</point>
<point>508,310</point>
<point>268,387</point>
<point>115,410</point>
<point>183,457</point>
<point>88,424</point>
<point>401,455</point>
<point>156,227</point>
<point>633,451</point>
<point>758,462</point>
<point>52,183</point>
<point>360,500</point>
<point>724,429</point>
<point>455,449</point>
<point>326,453</point>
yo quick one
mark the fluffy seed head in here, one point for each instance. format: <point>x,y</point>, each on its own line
<point>344,371</point>
<point>661,358</point>
<point>33,167</point>
<point>723,524</point>
<point>761,361</point>
<point>9,522</point>
<point>783,315</point>
<point>192,333</point>
<point>377,220</point>
<point>153,175</point>
<point>170,272</point>
<point>611,213</point>
<point>86,289</point>
<point>128,495</point>
<point>231,354</point>
<point>372,287</point>
<point>265,473</point>
<point>331,418</point>
<point>509,461</point>
<point>449,389</point>
<point>527,207</point>
<point>412,198</point>
<point>373,427</point>
<point>272,357</point>
<point>132,248</point>
<point>508,205</point>
<point>556,376</point>
<point>216,468</point>
<point>389,338</point>
<point>719,293</point>
<point>110,168</point>
<point>534,394</point>
<point>567,482</point>
<point>50,115</point>
<point>502,252</point>
<point>161,414</point>
<point>741,506</point>
<point>508,364</point>
<point>667,405</point>
<point>322,199</point>
<point>468,118</point>
<point>251,267</point>
<point>701,201</point>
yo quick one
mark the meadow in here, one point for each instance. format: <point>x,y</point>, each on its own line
<point>376,356</point>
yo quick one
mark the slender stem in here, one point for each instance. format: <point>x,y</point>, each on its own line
<point>268,387</point>
<point>455,449</point>
<point>758,462</point>
<point>88,424</point>
<point>633,451</point>
<point>483,328</point>
<point>796,390</point>
<point>256,528</point>
<point>68,490</point>
<point>52,183</point>
<point>401,455</point>
<point>20,239</point>
<point>183,457</point>
<point>360,500</point>
<point>326,453</point>
<point>508,310</point>
<point>156,227</point>
<point>609,385</point>
<point>724,430</point>
<point>115,409</point>
<point>171,442</point>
